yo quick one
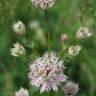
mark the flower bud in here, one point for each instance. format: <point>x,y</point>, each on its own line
<point>19,28</point>
<point>64,37</point>
<point>71,89</point>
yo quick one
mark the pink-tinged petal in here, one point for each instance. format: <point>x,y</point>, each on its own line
<point>37,82</point>
<point>61,78</point>
<point>46,86</point>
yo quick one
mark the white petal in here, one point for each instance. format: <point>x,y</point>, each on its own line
<point>43,88</point>
<point>61,78</point>
<point>54,87</point>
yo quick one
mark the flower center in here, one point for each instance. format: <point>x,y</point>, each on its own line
<point>48,71</point>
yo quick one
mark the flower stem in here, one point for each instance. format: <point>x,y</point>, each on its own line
<point>81,16</point>
<point>48,27</point>
<point>62,51</point>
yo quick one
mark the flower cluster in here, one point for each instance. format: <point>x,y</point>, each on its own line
<point>47,72</point>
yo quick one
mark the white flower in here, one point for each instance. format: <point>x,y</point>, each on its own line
<point>22,92</point>
<point>18,50</point>
<point>74,50</point>
<point>64,37</point>
<point>46,72</point>
<point>19,28</point>
<point>83,32</point>
<point>43,4</point>
<point>34,25</point>
<point>71,89</point>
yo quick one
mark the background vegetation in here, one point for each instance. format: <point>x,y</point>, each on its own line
<point>67,16</point>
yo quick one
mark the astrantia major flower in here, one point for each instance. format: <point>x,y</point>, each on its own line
<point>74,50</point>
<point>83,32</point>
<point>71,89</point>
<point>47,72</point>
<point>22,92</point>
<point>43,4</point>
<point>19,28</point>
<point>18,50</point>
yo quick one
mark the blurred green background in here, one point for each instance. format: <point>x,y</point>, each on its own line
<point>66,16</point>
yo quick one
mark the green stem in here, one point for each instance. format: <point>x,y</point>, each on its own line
<point>62,50</point>
<point>48,26</point>
<point>81,16</point>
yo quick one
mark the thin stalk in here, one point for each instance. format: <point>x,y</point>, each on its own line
<point>81,16</point>
<point>48,27</point>
<point>62,51</point>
